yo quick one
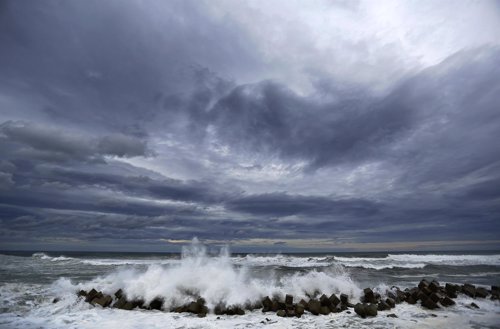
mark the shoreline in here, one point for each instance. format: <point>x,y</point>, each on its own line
<point>430,295</point>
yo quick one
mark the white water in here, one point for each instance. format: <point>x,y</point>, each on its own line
<point>216,279</point>
<point>73,313</point>
<point>284,260</point>
<point>232,280</point>
<point>418,261</point>
<point>44,256</point>
<point>410,261</point>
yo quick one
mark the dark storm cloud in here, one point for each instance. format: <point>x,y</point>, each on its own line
<point>281,204</point>
<point>111,65</point>
<point>486,190</point>
<point>91,91</point>
<point>16,135</point>
<point>122,146</point>
<point>267,117</point>
<point>459,102</point>
<point>6,180</point>
<point>12,212</point>
<point>170,189</point>
<point>271,118</point>
<point>84,201</point>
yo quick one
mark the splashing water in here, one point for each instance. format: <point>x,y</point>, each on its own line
<point>29,283</point>
<point>216,279</point>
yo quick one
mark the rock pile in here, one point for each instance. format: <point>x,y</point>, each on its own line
<point>431,295</point>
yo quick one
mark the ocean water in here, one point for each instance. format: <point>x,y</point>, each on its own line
<point>29,282</point>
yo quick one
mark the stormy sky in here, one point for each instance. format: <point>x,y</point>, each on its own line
<point>266,125</point>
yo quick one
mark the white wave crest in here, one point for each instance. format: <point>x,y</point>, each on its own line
<point>129,261</point>
<point>410,261</point>
<point>216,279</point>
<point>417,261</point>
<point>376,263</point>
<point>44,256</point>
<point>282,260</point>
<point>456,260</point>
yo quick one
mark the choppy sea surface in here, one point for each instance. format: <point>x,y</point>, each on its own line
<point>29,282</point>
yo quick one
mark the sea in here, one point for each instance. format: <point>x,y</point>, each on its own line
<point>31,280</point>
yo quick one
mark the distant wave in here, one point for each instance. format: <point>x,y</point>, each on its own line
<point>106,261</point>
<point>283,260</point>
<point>457,260</point>
<point>474,274</point>
<point>118,261</point>
<point>44,256</point>
<point>418,261</point>
<point>391,261</point>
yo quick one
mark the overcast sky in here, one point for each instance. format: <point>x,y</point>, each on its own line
<point>267,125</point>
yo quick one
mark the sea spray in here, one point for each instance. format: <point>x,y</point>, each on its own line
<point>27,300</point>
<point>218,280</point>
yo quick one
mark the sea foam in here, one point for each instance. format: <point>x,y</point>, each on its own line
<point>218,280</point>
<point>417,261</point>
<point>390,261</point>
<point>27,299</point>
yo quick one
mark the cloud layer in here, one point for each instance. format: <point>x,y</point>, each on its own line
<point>126,126</point>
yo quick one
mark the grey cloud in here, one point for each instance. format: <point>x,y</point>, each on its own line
<point>122,146</point>
<point>44,139</point>
<point>458,100</point>
<point>281,204</point>
<point>78,74</point>
<point>485,190</point>
<point>54,141</point>
<point>270,118</point>
<point>85,86</point>
<point>84,201</point>
<point>165,188</point>
<point>6,180</point>
<point>98,226</point>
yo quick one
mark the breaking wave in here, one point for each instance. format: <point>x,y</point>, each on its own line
<point>284,260</point>
<point>418,261</point>
<point>31,285</point>
<point>390,261</point>
<point>217,279</point>
<point>44,256</point>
